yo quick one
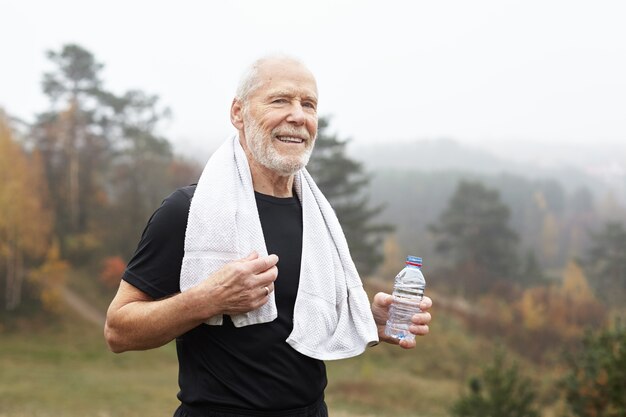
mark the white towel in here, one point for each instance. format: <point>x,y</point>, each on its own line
<point>332,315</point>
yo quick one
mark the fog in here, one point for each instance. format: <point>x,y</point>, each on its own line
<point>502,75</point>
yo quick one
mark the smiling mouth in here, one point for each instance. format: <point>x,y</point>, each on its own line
<point>290,139</point>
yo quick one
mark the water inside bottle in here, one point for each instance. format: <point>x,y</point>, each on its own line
<point>406,300</point>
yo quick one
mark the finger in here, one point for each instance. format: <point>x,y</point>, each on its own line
<point>266,278</point>
<point>407,344</point>
<point>382,299</point>
<point>426,303</point>
<point>267,290</point>
<point>263,263</point>
<point>251,256</point>
<point>419,330</point>
<point>421,318</point>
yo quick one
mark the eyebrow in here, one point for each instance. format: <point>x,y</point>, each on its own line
<point>291,93</point>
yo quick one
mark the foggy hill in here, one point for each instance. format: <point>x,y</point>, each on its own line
<point>601,168</point>
<point>427,155</point>
<point>414,181</point>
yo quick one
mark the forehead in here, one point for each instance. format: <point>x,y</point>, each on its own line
<point>284,76</point>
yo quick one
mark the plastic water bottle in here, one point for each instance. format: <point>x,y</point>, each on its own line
<point>408,291</point>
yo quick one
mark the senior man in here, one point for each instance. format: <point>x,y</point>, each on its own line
<point>249,270</point>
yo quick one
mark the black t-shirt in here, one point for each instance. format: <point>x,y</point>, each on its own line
<point>247,368</point>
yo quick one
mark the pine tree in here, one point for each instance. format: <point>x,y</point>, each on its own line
<point>474,232</point>
<point>103,157</point>
<point>596,382</point>
<point>70,138</point>
<point>607,263</point>
<point>139,168</point>
<point>344,182</point>
<point>501,391</point>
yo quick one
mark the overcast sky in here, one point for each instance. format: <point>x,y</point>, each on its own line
<point>475,71</point>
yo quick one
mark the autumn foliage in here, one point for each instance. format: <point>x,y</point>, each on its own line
<point>50,279</point>
<point>112,270</point>
<point>540,319</point>
<point>25,219</point>
<point>596,383</point>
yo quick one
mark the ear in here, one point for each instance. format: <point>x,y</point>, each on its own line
<point>236,114</point>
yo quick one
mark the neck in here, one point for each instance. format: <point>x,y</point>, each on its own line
<point>268,182</point>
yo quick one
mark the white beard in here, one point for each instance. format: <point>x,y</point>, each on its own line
<point>265,153</point>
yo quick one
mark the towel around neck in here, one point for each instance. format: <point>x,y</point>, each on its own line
<point>332,315</point>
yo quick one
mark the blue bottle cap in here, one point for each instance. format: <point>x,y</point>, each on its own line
<point>414,260</point>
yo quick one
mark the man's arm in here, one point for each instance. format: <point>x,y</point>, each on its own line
<point>419,326</point>
<point>135,321</point>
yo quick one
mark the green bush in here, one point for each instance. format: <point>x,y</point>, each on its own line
<point>501,391</point>
<point>596,383</point>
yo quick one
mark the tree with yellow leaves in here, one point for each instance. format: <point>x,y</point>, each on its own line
<point>50,278</point>
<point>553,314</point>
<point>25,221</point>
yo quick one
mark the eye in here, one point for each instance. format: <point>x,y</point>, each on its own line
<point>309,104</point>
<point>279,101</point>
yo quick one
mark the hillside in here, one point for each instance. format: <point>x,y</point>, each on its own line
<point>555,199</point>
<point>602,168</point>
<point>62,367</point>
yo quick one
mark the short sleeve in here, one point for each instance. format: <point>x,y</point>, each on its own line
<point>155,266</point>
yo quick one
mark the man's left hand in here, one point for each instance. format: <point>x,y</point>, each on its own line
<point>419,326</point>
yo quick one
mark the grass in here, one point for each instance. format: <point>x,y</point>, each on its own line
<point>62,368</point>
<point>66,370</point>
<point>422,382</point>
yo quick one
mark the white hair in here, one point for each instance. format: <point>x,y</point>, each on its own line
<point>250,81</point>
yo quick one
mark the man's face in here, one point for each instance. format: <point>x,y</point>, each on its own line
<point>280,117</point>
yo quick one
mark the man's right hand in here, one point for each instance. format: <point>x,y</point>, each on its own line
<point>136,321</point>
<point>240,286</point>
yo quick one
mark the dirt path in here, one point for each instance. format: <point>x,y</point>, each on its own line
<point>82,307</point>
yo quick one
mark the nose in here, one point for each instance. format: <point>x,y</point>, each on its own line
<point>296,114</point>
